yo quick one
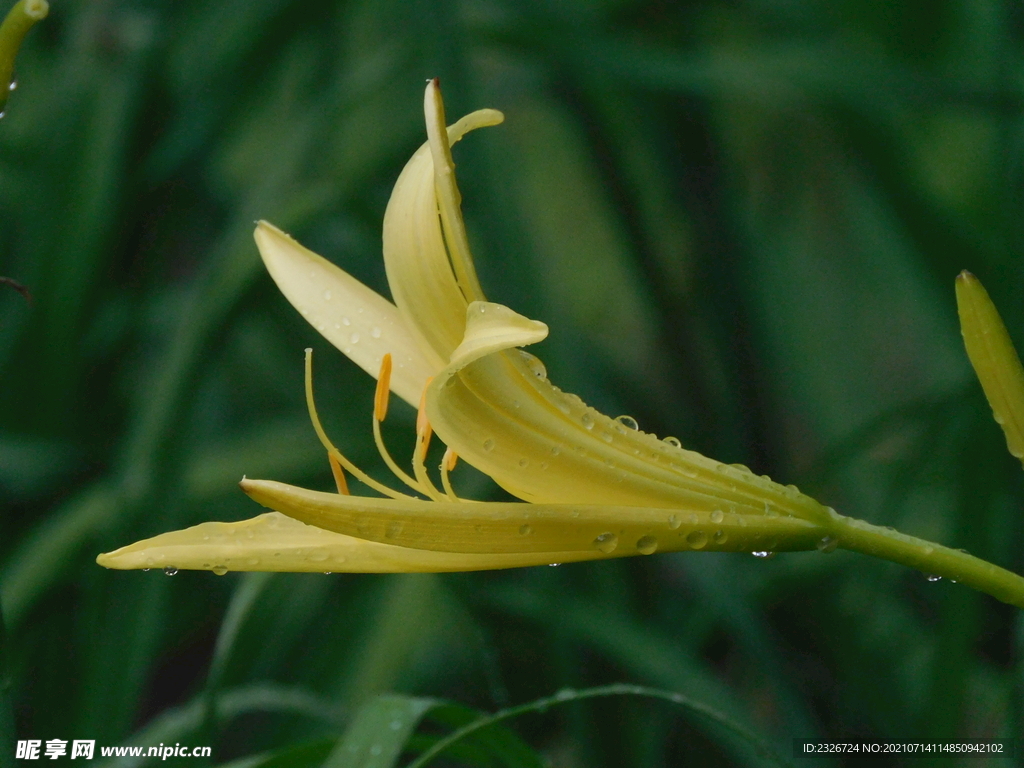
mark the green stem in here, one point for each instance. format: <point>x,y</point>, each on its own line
<point>17,24</point>
<point>930,558</point>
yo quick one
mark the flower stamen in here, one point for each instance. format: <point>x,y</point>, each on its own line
<point>339,475</point>
<point>448,463</point>
<point>380,410</point>
<point>423,435</point>
<point>332,451</point>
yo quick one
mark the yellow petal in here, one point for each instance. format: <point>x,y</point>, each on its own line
<point>355,319</point>
<point>274,542</point>
<point>498,411</point>
<point>994,359</point>
<point>420,274</point>
<point>497,528</point>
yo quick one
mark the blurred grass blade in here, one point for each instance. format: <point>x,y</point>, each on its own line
<point>6,702</point>
<point>377,735</point>
<point>994,359</point>
<point>765,754</point>
<point>174,724</point>
<point>249,589</point>
<point>298,756</point>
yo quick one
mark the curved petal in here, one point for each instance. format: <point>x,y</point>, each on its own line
<point>496,408</point>
<point>274,542</point>
<point>496,528</point>
<point>420,276</point>
<point>357,320</point>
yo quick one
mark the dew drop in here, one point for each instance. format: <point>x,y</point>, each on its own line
<point>607,542</point>
<point>553,565</point>
<point>763,554</point>
<point>693,518</point>
<point>376,749</point>
<point>220,570</point>
<point>346,321</point>
<point>145,570</point>
<point>354,338</point>
<point>488,445</point>
<point>253,561</point>
<point>13,85</point>
<point>525,529</point>
<point>555,450</point>
<point>717,516</point>
<point>535,365</point>
<point>647,545</point>
<point>697,539</point>
<point>827,544</point>
<point>375,332</point>
<point>588,421</point>
<point>524,463</point>
<point>720,537</point>
<point>628,422</point>
<point>606,436</point>
<point>395,725</point>
<point>674,522</point>
<point>673,441</point>
<point>932,577</point>
<point>543,465</point>
<point>170,570</point>
<point>327,295</point>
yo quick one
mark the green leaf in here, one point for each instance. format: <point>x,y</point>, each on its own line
<point>377,735</point>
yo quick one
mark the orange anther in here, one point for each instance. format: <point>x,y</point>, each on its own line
<point>451,458</point>
<point>339,475</point>
<point>380,399</point>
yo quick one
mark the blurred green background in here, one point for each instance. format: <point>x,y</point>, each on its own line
<point>741,219</point>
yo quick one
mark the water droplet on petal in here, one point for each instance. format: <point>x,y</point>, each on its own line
<point>674,521</point>
<point>375,332</point>
<point>587,420</point>
<point>717,516</point>
<point>627,421</point>
<point>606,436</point>
<point>932,577</point>
<point>535,365</point>
<point>763,554</point>
<point>327,295</point>
<point>346,321</point>
<point>827,544</point>
<point>395,725</point>
<point>607,542</point>
<point>525,530</point>
<point>553,565</point>
<point>13,85</point>
<point>697,539</point>
<point>524,463</point>
<point>354,338</point>
<point>673,441</point>
<point>170,570</point>
<point>720,537</point>
<point>647,545</point>
<point>220,570</point>
<point>488,445</point>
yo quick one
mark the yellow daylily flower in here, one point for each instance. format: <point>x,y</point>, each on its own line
<point>596,487</point>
